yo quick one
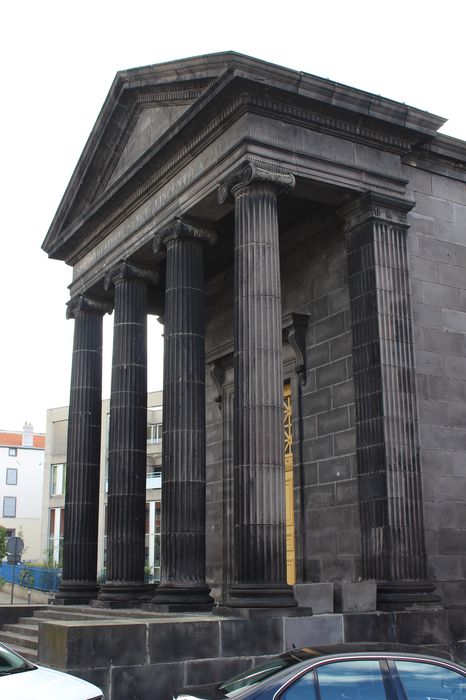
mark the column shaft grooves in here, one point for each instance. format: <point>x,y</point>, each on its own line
<point>258,419</point>
<point>387,430</point>
<point>83,458</point>
<point>127,439</point>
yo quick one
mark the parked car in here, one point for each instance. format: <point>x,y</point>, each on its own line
<point>22,680</point>
<point>343,672</point>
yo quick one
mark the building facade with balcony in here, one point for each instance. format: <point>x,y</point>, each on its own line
<point>54,486</point>
<point>21,475</point>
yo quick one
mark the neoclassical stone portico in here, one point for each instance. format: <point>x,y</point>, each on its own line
<point>227,204</point>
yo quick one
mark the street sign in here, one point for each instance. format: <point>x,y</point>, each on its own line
<point>14,546</point>
<point>13,559</point>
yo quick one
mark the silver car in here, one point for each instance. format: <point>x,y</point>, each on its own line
<point>22,680</point>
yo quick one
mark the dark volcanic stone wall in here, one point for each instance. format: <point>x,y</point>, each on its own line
<point>437,245</point>
<point>314,279</point>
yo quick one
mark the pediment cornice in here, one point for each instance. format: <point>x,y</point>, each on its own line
<point>212,98</point>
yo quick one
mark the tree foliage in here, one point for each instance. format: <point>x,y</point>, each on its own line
<point>3,539</point>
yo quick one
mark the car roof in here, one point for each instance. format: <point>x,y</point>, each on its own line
<point>327,653</point>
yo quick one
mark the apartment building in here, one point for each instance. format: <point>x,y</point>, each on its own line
<point>54,484</point>
<point>21,476</point>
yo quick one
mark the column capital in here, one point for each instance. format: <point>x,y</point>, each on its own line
<point>376,206</point>
<point>183,228</point>
<point>253,172</point>
<point>81,303</point>
<point>127,271</point>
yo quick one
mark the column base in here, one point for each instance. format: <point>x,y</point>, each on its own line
<point>400,595</point>
<point>116,594</point>
<point>172,598</point>
<point>261,596</point>
<point>76,593</point>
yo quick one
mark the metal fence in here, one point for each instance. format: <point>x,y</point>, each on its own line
<point>29,576</point>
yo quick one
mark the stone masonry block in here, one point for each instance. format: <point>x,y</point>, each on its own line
<point>251,637</point>
<point>454,320</point>
<point>440,295</point>
<point>332,373</point>
<point>315,630</point>
<point>330,327</point>
<point>183,639</point>
<point>445,341</point>
<point>318,596</point>
<point>333,421</point>
<point>371,627</point>
<point>158,681</point>
<point>211,670</point>
<point>423,269</point>
<point>356,597</point>
<point>105,642</point>
<point>422,627</point>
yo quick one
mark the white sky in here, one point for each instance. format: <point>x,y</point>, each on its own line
<point>58,60</point>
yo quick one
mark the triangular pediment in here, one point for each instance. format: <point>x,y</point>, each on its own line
<point>156,115</point>
<point>150,123</point>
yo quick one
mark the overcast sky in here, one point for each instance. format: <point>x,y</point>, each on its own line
<point>58,60</point>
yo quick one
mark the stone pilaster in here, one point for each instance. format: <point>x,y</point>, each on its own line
<point>258,474</point>
<point>79,579</point>
<point>182,585</point>
<point>124,586</point>
<point>393,549</point>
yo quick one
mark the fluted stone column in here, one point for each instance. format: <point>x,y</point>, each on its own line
<point>79,579</point>
<point>393,548</point>
<point>124,586</point>
<point>182,582</point>
<point>259,473</point>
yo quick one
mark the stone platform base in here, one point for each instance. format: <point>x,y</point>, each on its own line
<point>131,653</point>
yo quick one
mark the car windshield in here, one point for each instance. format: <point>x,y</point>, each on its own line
<point>255,675</point>
<point>12,663</point>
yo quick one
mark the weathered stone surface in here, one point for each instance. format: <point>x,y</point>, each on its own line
<point>355,597</point>
<point>318,596</point>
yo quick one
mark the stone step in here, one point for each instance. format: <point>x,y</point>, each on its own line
<point>30,654</point>
<point>14,639</point>
<point>52,614</point>
<point>24,626</point>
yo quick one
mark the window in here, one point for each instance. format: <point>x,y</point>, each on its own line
<point>424,681</point>
<point>11,477</point>
<point>12,452</point>
<point>56,527</point>
<point>348,680</point>
<point>302,689</point>
<point>9,506</point>
<point>154,433</point>
<point>57,479</point>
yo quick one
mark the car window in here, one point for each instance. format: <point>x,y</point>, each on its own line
<point>259,673</point>
<point>11,663</point>
<point>351,680</point>
<point>302,689</point>
<point>426,681</point>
